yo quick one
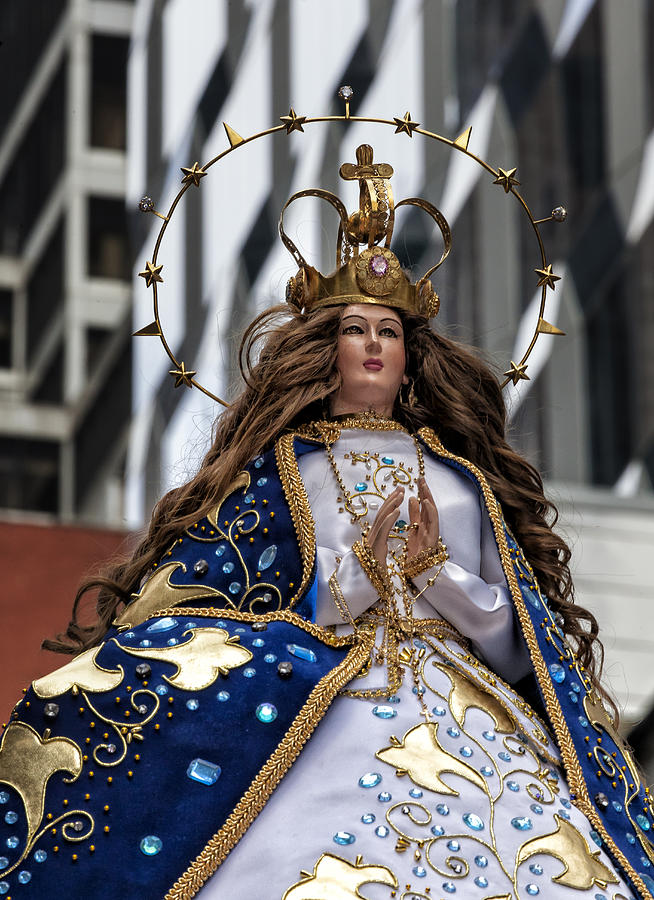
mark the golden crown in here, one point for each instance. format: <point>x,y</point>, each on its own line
<point>372,275</point>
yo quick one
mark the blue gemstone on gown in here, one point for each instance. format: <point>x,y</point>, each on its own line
<point>489,735</point>
<point>249,672</point>
<point>557,672</point>
<point>360,486</point>
<point>535,869</point>
<point>258,462</point>
<point>568,805</point>
<point>504,755</point>
<point>595,836</point>
<point>193,703</point>
<point>39,856</point>
<point>617,806</point>
<point>228,567</point>
<point>382,831</point>
<point>513,786</point>
<point>151,845</point>
<point>203,771</point>
<point>401,525</point>
<point>222,696</point>
<point>388,461</point>
<point>267,558</point>
<point>573,697</point>
<point>465,751</point>
<point>4,887</point>
<point>266,712</point>
<point>384,797</point>
<point>532,889</point>
<point>220,549</point>
<point>416,793</point>
<point>583,722</point>
<point>631,837</point>
<point>449,887</point>
<point>522,823</point>
<point>487,771</point>
<point>11,817</point>
<point>643,822</point>
<point>454,846</point>
<point>258,642</point>
<point>12,842</point>
<point>480,881</point>
<point>437,830</point>
<point>270,658</point>
<point>234,587</point>
<point>4,797</point>
<point>384,712</point>
<point>249,498</point>
<point>453,731</point>
<point>163,624</point>
<point>24,876</point>
<point>481,861</point>
<point>442,809</point>
<point>536,808</point>
<point>473,821</point>
<point>302,653</point>
<point>370,780</point>
<point>261,481</point>
<point>368,818</point>
<point>438,711</point>
<point>419,872</point>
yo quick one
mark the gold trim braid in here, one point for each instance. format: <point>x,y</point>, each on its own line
<point>298,504</point>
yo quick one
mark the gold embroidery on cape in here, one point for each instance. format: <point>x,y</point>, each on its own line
<point>583,868</point>
<point>27,762</point>
<point>81,674</point>
<point>420,756</point>
<point>334,878</point>
<point>257,795</point>
<point>210,652</point>
<point>241,482</point>
<point>465,693</point>
<point>574,772</point>
<point>159,592</point>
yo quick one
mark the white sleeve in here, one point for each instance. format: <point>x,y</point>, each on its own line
<point>481,608</point>
<point>357,590</point>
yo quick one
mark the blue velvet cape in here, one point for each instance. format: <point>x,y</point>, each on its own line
<point>135,769</point>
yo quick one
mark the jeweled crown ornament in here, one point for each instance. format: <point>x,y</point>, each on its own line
<point>372,274</point>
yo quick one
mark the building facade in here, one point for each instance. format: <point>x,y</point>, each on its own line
<point>65,375</point>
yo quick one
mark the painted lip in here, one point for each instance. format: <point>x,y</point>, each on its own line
<point>373,364</point>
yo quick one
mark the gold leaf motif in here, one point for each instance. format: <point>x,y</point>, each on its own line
<point>27,763</point>
<point>158,593</point>
<point>209,653</point>
<point>423,759</point>
<point>465,693</point>
<point>334,878</point>
<point>81,674</point>
<point>242,481</point>
<point>582,869</point>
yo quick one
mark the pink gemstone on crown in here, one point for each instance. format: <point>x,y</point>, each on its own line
<point>378,265</point>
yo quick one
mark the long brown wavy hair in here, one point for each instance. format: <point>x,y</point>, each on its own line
<point>288,364</point>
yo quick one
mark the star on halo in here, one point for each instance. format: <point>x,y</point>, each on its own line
<point>517,372</point>
<point>151,274</point>
<point>292,121</point>
<point>507,178</point>
<point>547,277</point>
<point>406,125</point>
<point>193,173</point>
<point>182,375</point>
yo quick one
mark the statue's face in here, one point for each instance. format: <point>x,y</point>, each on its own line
<point>371,359</point>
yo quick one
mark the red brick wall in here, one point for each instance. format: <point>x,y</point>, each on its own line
<point>41,569</point>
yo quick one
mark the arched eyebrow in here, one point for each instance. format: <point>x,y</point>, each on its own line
<point>363,318</point>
